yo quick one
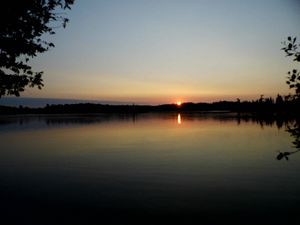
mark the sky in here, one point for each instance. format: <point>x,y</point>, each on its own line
<point>163,51</point>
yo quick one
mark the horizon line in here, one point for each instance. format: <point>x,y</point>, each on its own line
<point>42,102</point>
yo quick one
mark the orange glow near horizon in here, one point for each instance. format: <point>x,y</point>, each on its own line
<point>178,103</point>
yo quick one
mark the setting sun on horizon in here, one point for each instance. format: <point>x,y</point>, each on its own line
<point>149,51</point>
<point>157,112</point>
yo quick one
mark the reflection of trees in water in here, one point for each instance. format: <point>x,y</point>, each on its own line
<point>286,155</point>
<point>88,119</point>
<point>292,125</point>
<point>294,129</point>
<point>268,120</point>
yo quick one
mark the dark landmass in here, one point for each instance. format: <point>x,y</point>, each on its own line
<point>261,106</point>
<point>42,102</point>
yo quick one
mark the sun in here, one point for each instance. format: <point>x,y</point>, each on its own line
<point>178,103</point>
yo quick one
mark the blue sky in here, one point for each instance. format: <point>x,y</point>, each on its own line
<point>160,51</point>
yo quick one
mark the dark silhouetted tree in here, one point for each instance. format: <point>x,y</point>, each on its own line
<point>291,48</point>
<point>22,24</point>
<point>279,100</point>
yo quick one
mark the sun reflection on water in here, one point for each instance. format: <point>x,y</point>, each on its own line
<point>179,118</point>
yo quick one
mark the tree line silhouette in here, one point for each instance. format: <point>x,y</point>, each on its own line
<point>280,105</point>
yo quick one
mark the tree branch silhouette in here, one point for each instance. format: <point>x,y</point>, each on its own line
<point>291,48</point>
<point>22,24</point>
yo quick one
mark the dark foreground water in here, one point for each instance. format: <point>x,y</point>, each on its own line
<point>147,169</point>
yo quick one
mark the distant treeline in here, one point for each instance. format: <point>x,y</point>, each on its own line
<point>261,106</point>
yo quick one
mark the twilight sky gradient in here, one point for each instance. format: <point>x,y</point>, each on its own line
<point>161,51</point>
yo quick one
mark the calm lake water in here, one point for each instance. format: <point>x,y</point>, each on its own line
<point>147,169</point>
